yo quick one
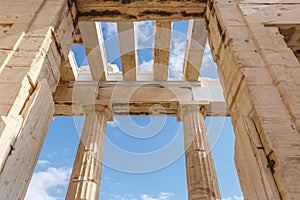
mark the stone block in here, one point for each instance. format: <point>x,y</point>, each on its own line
<point>278,111</point>
<point>264,41</point>
<point>289,58</point>
<point>287,174</point>
<point>249,58</point>
<point>39,31</point>
<point>42,71</point>
<point>54,59</point>
<point>257,76</point>
<point>246,167</point>
<point>16,94</point>
<point>64,33</point>
<point>280,73</point>
<point>290,91</point>
<point>272,57</point>
<point>35,44</point>
<point>3,56</point>
<point>265,95</point>
<point>10,41</point>
<point>215,36</point>
<point>241,101</point>
<point>13,74</point>
<point>20,7</point>
<point>69,69</point>
<point>295,108</point>
<point>19,27</point>
<point>277,134</point>
<point>23,59</point>
<point>277,38</point>
<point>2,126</point>
<point>238,38</point>
<point>4,109</point>
<point>242,170</point>
<point>229,15</point>
<point>50,13</point>
<point>281,141</point>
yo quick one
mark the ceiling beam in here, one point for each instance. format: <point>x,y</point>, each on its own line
<point>195,47</point>
<point>161,50</point>
<point>128,50</point>
<point>92,38</point>
<point>139,98</point>
<point>139,10</point>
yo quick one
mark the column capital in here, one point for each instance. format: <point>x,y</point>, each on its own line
<point>184,109</point>
<point>98,109</point>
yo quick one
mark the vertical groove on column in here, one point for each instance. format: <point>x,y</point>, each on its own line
<point>201,176</point>
<point>85,178</point>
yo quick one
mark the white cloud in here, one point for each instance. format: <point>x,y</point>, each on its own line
<point>120,197</point>
<point>43,181</point>
<point>178,47</point>
<point>51,155</point>
<point>109,29</point>
<point>209,67</point>
<point>146,66</point>
<point>145,34</point>
<point>161,196</point>
<point>235,197</point>
<point>43,162</point>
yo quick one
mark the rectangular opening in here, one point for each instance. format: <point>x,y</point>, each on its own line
<point>291,35</point>
<point>133,135</point>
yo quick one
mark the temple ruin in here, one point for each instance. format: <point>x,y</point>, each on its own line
<point>255,43</point>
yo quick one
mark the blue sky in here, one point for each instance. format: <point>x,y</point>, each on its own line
<point>167,179</point>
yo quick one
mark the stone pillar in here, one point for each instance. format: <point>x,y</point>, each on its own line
<point>259,73</point>
<point>85,178</point>
<point>35,37</point>
<point>201,176</point>
<point>24,150</point>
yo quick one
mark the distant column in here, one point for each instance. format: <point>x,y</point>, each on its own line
<point>85,178</point>
<point>200,171</point>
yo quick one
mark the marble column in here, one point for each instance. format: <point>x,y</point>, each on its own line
<point>85,178</point>
<point>201,176</point>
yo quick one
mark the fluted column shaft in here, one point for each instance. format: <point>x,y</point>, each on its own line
<point>85,179</point>
<point>201,176</point>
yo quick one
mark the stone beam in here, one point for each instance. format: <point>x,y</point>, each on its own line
<point>92,37</point>
<point>195,46</point>
<point>161,50</point>
<point>128,50</point>
<point>144,98</point>
<point>127,10</point>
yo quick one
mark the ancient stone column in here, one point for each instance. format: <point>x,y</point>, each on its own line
<point>201,176</point>
<point>85,178</point>
<point>35,39</point>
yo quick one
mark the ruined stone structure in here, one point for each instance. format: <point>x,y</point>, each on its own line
<point>255,43</point>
